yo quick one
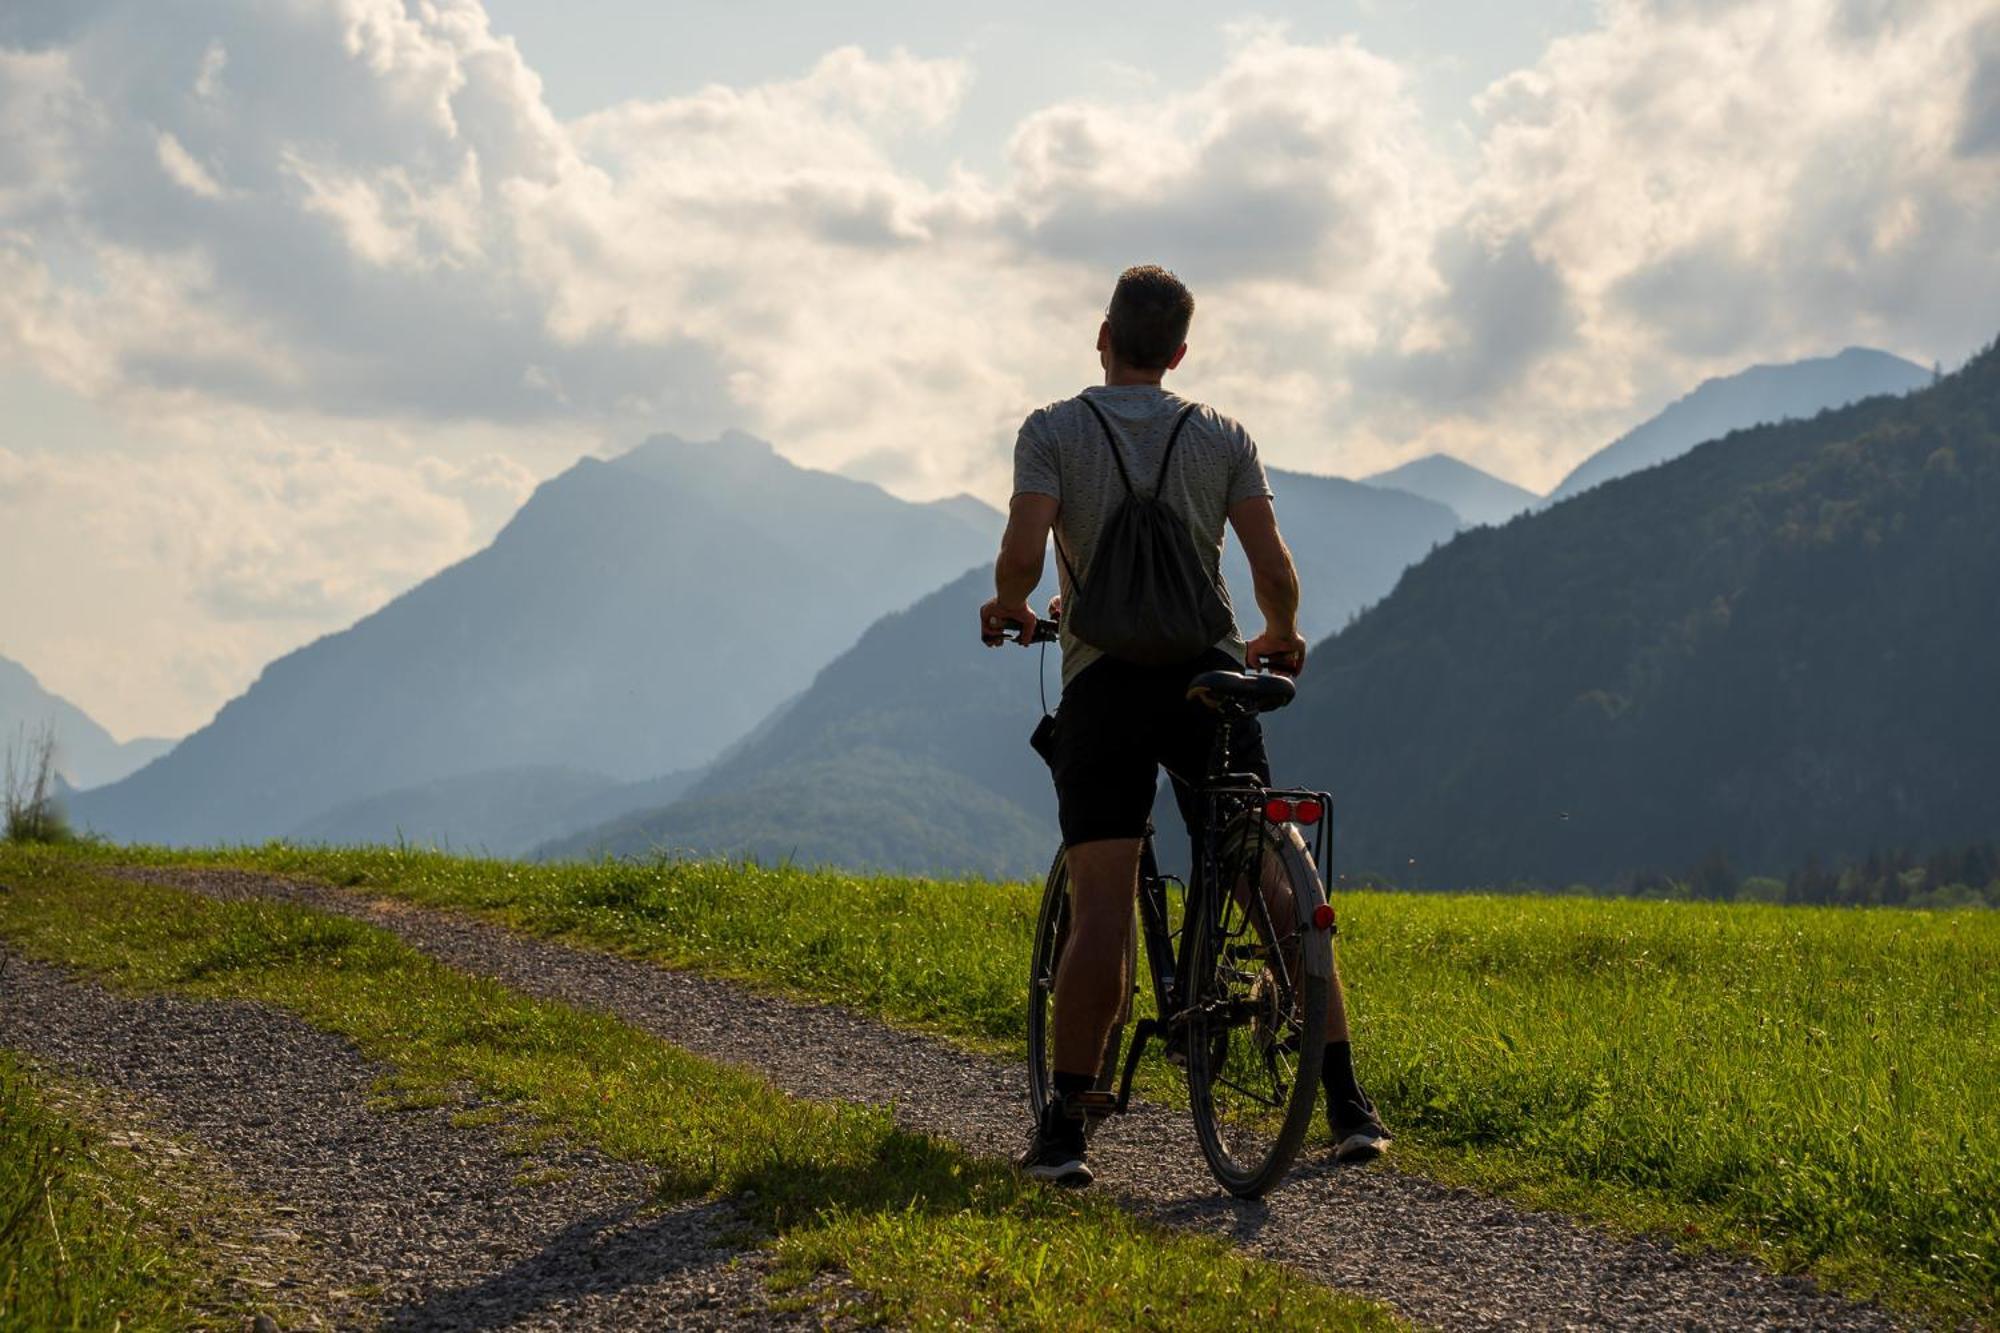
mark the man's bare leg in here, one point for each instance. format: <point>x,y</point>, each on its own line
<point>1091,979</point>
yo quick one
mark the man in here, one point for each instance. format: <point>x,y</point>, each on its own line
<point>1119,720</point>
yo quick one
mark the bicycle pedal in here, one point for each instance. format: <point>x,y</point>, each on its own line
<point>1095,1102</point>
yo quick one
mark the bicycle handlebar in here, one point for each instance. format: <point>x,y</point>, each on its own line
<point>1046,631</point>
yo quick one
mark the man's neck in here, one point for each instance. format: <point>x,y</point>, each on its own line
<point>1119,377</point>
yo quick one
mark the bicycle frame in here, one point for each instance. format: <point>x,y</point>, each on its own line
<point>1223,796</point>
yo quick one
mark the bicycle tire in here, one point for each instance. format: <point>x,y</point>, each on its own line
<point>1051,929</point>
<point>1248,1159</point>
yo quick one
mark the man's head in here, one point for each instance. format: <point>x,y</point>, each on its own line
<point>1145,328</point>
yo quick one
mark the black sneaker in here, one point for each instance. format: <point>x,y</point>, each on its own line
<point>1358,1135</point>
<point>1055,1153</point>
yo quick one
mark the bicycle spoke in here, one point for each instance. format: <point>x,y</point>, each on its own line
<point>1251,1093</point>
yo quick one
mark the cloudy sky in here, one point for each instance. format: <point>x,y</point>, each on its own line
<point>300,298</point>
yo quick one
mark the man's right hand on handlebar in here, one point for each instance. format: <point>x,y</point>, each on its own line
<point>996,617</point>
<point>1282,653</point>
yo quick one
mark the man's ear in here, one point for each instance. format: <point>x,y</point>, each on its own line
<point>1104,336</point>
<point>1174,361</point>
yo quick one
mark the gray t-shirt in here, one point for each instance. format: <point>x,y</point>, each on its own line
<point>1062,452</point>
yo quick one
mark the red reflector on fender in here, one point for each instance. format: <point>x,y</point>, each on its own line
<point>1278,810</point>
<point>1323,917</point>
<point>1308,812</point>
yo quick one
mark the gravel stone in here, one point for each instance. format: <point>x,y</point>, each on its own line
<point>408,1222</point>
<point>1446,1258</point>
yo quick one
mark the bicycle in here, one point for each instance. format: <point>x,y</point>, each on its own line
<point>1240,1003</point>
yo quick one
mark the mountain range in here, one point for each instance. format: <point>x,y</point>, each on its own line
<point>909,752</point>
<point>917,719</point>
<point>1774,647</point>
<point>86,754</point>
<point>634,618</point>
<point>1752,397</point>
<point>669,612</point>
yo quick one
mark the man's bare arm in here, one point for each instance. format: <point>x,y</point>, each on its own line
<point>1023,549</point>
<point>1275,580</point>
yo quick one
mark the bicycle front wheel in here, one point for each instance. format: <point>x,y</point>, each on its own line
<point>1051,933</point>
<point>1261,972</point>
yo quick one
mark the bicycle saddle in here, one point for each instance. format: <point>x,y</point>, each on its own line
<point>1239,690</point>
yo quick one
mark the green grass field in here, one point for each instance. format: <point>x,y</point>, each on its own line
<point>1819,1086</point>
<point>935,1238</point>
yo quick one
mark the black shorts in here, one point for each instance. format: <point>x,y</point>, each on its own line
<point>1117,725</point>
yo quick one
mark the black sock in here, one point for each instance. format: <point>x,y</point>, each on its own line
<point>1336,1073</point>
<point>1069,1085</point>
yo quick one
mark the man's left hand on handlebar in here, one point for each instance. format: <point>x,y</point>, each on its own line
<point>995,617</point>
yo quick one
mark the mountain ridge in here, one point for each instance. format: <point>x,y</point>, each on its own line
<point>1474,494</point>
<point>86,754</point>
<point>1756,395</point>
<point>592,633</point>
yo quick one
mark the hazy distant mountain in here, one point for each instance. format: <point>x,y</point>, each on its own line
<point>635,617</point>
<point>1351,542</point>
<point>909,752</point>
<point>1476,496</point>
<point>501,813</point>
<point>975,512</point>
<point>1752,397</point>
<point>1778,646</point>
<point>86,755</point>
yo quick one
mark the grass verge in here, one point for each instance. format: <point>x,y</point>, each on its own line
<point>935,1237</point>
<point>92,1233</point>
<point>1818,1086</point>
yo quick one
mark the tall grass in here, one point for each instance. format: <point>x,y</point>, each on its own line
<point>28,808</point>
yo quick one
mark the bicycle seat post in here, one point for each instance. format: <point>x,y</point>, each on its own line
<point>1218,755</point>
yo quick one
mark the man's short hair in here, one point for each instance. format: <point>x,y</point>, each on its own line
<point>1150,313</point>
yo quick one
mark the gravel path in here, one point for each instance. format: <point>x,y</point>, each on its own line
<point>1448,1258</point>
<point>396,1218</point>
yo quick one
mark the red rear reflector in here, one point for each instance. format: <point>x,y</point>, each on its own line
<point>1323,917</point>
<point>1308,812</point>
<point>1278,810</point>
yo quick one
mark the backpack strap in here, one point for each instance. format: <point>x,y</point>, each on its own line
<point>1111,440</point>
<point>1173,439</point>
<point>1075,583</point>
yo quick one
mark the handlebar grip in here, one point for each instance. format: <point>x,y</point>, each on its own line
<point>1011,631</point>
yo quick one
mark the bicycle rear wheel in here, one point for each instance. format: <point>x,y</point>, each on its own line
<point>1260,974</point>
<point>1051,933</point>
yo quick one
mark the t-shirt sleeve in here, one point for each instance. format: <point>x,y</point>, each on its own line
<point>1246,470</point>
<point>1037,470</point>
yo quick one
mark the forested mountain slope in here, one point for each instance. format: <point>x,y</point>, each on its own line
<point>635,617</point>
<point>1780,645</point>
